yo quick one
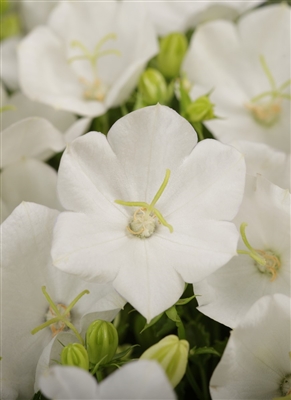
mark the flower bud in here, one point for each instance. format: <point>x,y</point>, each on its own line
<point>172,354</point>
<point>200,110</point>
<point>172,50</point>
<point>74,354</point>
<point>101,341</point>
<point>152,87</point>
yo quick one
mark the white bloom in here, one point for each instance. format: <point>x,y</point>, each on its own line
<point>35,13</point>
<point>181,15</point>
<point>143,380</point>
<point>262,159</point>
<point>256,363</point>
<point>27,277</point>
<point>248,66</point>
<point>104,240</point>
<point>32,133</point>
<point>89,57</point>
<point>228,294</point>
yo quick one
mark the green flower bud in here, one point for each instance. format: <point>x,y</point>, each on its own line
<point>153,87</point>
<point>74,354</point>
<point>172,51</point>
<point>172,354</point>
<point>200,110</point>
<point>101,341</point>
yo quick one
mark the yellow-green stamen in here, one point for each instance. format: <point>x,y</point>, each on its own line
<point>59,316</point>
<point>266,107</point>
<point>148,210</point>
<point>266,261</point>
<point>94,90</point>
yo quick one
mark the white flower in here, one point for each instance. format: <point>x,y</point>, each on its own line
<point>143,380</point>
<point>9,70</point>
<point>29,281</point>
<point>32,133</point>
<point>89,57</point>
<point>181,15</point>
<point>262,159</point>
<point>248,66</point>
<point>35,13</point>
<point>147,256</point>
<point>256,363</point>
<point>228,294</point>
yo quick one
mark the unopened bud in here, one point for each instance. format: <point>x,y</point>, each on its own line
<point>74,354</point>
<point>152,87</point>
<point>172,51</point>
<point>101,341</point>
<point>200,110</point>
<point>172,354</point>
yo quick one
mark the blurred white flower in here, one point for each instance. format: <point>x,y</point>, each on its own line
<point>32,133</point>
<point>87,59</point>
<point>149,160</point>
<point>248,66</point>
<point>262,159</point>
<point>228,294</point>
<point>34,292</point>
<point>9,65</point>
<point>143,380</point>
<point>256,363</point>
<point>179,15</point>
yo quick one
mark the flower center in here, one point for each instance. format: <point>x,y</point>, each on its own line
<point>146,218</point>
<point>95,90</point>
<point>285,385</point>
<point>58,316</point>
<point>60,325</point>
<point>266,261</point>
<point>266,107</point>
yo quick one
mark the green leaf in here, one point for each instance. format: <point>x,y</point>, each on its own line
<point>123,353</point>
<point>195,351</point>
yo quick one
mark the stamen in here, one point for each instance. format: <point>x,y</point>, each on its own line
<point>146,214</point>
<point>266,107</point>
<point>94,90</point>
<point>59,315</point>
<point>265,260</point>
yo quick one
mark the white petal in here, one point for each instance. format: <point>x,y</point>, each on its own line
<point>141,379</point>
<point>77,129</point>
<point>29,180</point>
<point>69,383</point>
<point>9,64</point>
<point>31,137</point>
<point>206,246</point>
<point>257,355</point>
<point>24,108</point>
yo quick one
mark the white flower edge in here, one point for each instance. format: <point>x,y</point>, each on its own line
<point>144,380</point>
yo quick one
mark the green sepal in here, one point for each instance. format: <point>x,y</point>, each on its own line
<point>182,302</point>
<point>172,314</point>
<point>123,353</point>
<point>153,321</point>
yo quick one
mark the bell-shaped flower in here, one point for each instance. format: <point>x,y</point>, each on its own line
<point>256,363</point>
<point>38,300</point>
<point>87,59</point>
<point>149,207</point>
<point>248,67</point>
<point>143,380</point>
<point>32,133</point>
<point>263,264</point>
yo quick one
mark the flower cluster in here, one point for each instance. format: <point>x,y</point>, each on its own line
<point>145,200</point>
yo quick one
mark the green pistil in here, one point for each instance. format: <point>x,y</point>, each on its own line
<point>8,107</point>
<point>150,208</point>
<point>252,252</point>
<point>96,54</point>
<point>275,92</point>
<point>60,317</point>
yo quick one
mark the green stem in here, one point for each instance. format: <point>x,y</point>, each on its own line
<point>193,383</point>
<point>204,382</point>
